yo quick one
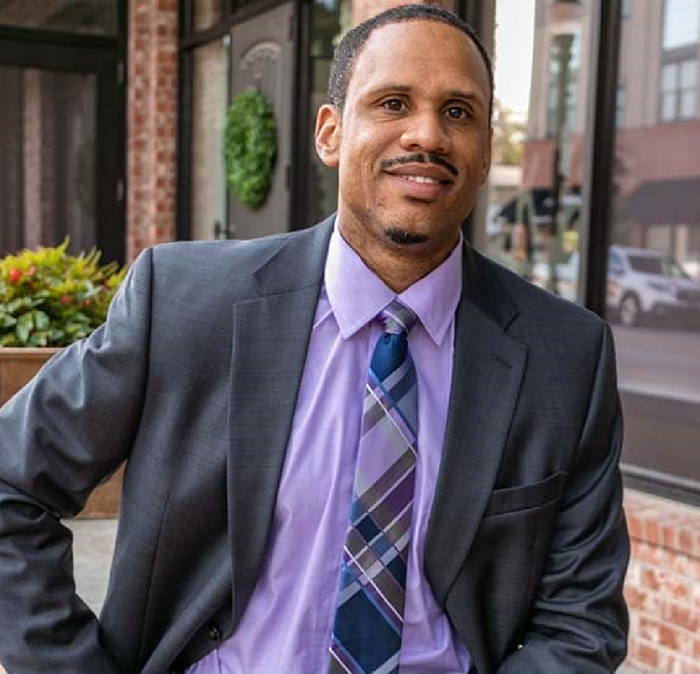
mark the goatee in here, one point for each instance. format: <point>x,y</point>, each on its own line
<point>403,238</point>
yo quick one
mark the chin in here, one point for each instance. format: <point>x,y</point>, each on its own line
<point>404,237</point>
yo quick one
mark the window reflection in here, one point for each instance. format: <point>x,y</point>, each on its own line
<point>205,13</point>
<point>535,184</point>
<point>71,16</point>
<point>47,163</point>
<point>681,23</point>
<point>210,73</point>
<point>653,284</point>
<point>330,20</point>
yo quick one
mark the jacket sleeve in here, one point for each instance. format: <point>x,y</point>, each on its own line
<point>579,620</point>
<point>60,436</point>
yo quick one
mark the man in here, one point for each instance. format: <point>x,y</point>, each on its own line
<point>230,378</point>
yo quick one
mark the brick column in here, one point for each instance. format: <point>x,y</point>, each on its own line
<point>151,123</point>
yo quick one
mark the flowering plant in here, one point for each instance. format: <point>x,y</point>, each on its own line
<point>51,298</point>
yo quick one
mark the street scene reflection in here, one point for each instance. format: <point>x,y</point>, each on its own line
<point>534,222</point>
<point>535,191</point>
<point>535,186</point>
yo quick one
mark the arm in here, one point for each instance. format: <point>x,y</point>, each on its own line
<point>60,436</point>
<point>579,619</point>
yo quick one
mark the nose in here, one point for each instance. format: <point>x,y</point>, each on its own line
<point>425,131</point>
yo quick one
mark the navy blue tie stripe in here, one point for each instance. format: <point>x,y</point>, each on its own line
<point>368,623</point>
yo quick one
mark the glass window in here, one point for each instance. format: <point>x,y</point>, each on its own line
<point>679,89</point>
<point>330,19</point>
<point>47,163</point>
<point>620,106</point>
<point>205,13</point>
<point>70,16</point>
<point>209,92</point>
<point>653,289</point>
<point>534,202</point>
<point>668,77</point>
<point>688,86</point>
<point>681,23</point>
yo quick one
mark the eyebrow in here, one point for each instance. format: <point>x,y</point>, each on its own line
<point>405,89</point>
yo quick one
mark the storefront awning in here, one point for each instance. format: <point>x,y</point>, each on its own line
<point>666,202</point>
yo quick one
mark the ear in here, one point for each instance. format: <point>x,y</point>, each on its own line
<point>486,164</point>
<point>328,135</point>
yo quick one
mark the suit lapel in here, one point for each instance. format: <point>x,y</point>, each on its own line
<point>488,369</point>
<point>270,338</point>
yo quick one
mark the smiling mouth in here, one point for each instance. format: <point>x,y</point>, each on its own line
<point>424,180</point>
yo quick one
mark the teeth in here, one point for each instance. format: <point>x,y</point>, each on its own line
<point>422,179</point>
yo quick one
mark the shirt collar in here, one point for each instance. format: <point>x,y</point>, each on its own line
<point>356,294</point>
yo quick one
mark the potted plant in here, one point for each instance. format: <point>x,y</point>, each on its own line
<point>50,299</point>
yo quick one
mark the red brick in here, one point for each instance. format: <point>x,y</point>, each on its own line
<point>680,615</point>
<point>685,539</point>
<point>651,531</point>
<point>696,649</point>
<point>649,629</point>
<point>669,536</point>
<point>634,526</point>
<point>648,655</point>
<point>635,598</point>
<point>670,638</point>
<point>650,578</point>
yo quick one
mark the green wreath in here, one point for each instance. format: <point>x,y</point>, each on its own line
<point>250,147</point>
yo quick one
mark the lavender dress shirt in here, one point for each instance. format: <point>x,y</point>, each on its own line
<point>287,625</point>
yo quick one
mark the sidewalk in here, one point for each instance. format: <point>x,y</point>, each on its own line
<point>93,547</point>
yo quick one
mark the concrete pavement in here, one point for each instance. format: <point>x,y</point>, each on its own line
<point>93,547</point>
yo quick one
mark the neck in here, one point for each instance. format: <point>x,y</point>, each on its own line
<point>399,266</point>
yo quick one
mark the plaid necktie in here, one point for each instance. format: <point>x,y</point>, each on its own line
<point>369,618</point>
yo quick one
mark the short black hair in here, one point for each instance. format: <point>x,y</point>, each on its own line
<point>351,45</point>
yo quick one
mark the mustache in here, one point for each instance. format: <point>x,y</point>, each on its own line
<point>420,158</point>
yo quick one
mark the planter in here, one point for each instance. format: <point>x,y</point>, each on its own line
<point>17,367</point>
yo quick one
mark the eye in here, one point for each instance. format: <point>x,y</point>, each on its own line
<point>458,112</point>
<point>394,104</point>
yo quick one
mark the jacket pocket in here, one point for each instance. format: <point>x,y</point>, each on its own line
<point>528,496</point>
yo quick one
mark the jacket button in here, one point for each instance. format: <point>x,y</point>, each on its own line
<point>214,633</point>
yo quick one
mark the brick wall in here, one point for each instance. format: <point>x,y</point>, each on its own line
<point>151,123</point>
<point>663,585</point>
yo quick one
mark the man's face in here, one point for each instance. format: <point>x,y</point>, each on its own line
<point>413,141</point>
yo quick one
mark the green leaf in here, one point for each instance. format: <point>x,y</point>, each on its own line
<point>41,320</point>
<point>56,336</point>
<point>39,338</point>
<point>8,321</point>
<point>250,147</point>
<point>25,324</point>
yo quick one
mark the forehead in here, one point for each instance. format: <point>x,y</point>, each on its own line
<point>419,51</point>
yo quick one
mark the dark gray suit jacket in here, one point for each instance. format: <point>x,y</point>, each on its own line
<point>193,381</point>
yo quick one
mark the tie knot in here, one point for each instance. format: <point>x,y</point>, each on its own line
<point>397,318</point>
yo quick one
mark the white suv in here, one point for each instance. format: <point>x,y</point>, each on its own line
<point>644,283</point>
